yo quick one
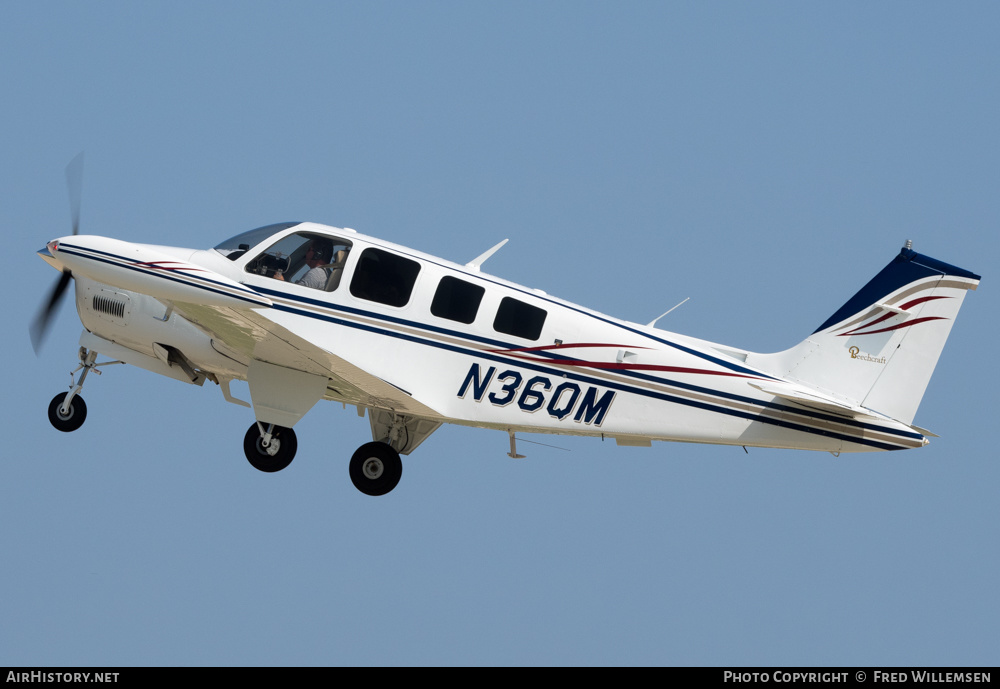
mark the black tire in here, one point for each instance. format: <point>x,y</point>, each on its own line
<point>258,456</point>
<point>376,469</point>
<point>77,413</point>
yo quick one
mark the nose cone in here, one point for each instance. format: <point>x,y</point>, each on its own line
<point>50,254</point>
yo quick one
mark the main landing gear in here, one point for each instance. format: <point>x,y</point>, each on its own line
<point>270,448</point>
<point>376,468</point>
<point>67,410</point>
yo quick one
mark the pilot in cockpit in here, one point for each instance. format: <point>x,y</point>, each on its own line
<point>318,256</point>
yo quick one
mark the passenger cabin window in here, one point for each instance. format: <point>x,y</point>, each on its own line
<point>304,258</point>
<point>457,300</point>
<point>384,277</point>
<point>519,319</point>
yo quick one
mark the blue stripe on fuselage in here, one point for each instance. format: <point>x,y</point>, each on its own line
<point>535,366</point>
<point>130,264</point>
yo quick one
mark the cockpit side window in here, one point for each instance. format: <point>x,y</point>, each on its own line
<point>234,247</point>
<point>304,258</point>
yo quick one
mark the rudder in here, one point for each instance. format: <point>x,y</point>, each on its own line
<point>880,348</point>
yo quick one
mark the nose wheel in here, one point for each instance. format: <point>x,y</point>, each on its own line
<point>375,469</point>
<point>67,410</point>
<point>269,448</point>
<point>71,417</point>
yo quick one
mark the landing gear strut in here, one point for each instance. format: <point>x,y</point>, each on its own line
<point>269,448</point>
<point>67,410</point>
<point>376,468</point>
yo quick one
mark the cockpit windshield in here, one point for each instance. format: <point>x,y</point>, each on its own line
<point>234,247</point>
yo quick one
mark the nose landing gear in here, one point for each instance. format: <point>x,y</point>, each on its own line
<point>67,410</point>
<point>67,416</point>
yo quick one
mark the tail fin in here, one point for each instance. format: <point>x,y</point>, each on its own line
<point>880,348</point>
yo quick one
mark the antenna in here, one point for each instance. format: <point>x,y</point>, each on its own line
<point>652,323</point>
<point>481,258</point>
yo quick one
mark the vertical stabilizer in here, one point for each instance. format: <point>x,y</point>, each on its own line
<point>880,348</point>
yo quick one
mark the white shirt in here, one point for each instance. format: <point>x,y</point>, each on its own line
<point>315,278</point>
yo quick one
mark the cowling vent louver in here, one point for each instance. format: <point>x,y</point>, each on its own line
<point>112,307</point>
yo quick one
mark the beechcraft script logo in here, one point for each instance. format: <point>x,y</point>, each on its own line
<point>862,356</point>
<point>563,401</point>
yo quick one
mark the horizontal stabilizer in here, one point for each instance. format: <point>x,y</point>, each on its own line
<point>813,400</point>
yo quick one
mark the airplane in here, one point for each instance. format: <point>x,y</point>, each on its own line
<point>305,312</point>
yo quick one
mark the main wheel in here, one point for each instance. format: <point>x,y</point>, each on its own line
<point>375,469</point>
<point>71,420</point>
<point>277,456</point>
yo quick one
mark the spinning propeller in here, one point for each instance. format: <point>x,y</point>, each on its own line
<point>74,182</point>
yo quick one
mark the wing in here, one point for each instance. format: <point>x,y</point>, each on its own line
<point>246,335</point>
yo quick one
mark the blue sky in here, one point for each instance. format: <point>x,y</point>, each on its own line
<point>764,159</point>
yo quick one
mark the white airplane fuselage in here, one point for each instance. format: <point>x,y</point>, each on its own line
<point>192,315</point>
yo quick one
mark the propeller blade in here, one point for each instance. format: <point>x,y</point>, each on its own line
<point>41,323</point>
<point>74,182</point>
